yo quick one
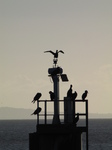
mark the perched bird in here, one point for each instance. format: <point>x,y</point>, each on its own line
<point>74,95</point>
<point>76,119</point>
<point>36,98</point>
<point>55,53</point>
<point>84,95</point>
<point>52,95</point>
<point>69,92</point>
<point>37,111</point>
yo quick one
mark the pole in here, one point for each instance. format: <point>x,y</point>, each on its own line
<point>56,119</point>
<point>87,124</point>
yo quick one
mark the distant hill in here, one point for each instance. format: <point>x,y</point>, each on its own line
<point>15,113</point>
<point>20,113</point>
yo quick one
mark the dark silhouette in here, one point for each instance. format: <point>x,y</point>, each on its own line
<point>76,119</point>
<point>69,92</point>
<point>37,111</point>
<point>36,98</point>
<point>56,53</point>
<point>74,95</point>
<point>56,71</point>
<point>52,95</point>
<point>84,95</point>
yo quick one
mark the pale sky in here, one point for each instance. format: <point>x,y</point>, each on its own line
<point>81,28</point>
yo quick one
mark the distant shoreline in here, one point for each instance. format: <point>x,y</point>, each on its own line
<point>9,113</point>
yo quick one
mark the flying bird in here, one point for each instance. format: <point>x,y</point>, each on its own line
<point>69,92</point>
<point>37,111</point>
<point>52,95</point>
<point>55,53</point>
<point>74,95</point>
<point>84,95</point>
<point>76,119</point>
<point>36,98</point>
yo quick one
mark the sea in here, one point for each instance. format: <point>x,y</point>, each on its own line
<point>14,134</point>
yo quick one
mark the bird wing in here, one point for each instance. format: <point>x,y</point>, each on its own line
<point>83,96</point>
<point>52,96</point>
<point>50,52</point>
<point>60,51</point>
<point>37,111</point>
<point>37,96</point>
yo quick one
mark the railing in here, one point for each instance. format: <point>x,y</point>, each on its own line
<point>46,114</point>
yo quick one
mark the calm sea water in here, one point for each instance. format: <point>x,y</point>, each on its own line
<point>14,134</point>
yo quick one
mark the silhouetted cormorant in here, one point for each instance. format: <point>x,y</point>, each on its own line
<point>69,93</point>
<point>76,119</point>
<point>37,111</point>
<point>74,95</point>
<point>36,98</point>
<point>52,95</point>
<point>84,95</point>
<point>56,53</point>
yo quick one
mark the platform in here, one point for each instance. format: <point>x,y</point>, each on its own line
<point>56,137</point>
<point>59,129</point>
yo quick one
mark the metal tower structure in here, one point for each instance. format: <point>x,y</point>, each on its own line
<point>52,132</point>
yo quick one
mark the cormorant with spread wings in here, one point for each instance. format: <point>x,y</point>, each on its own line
<point>55,53</point>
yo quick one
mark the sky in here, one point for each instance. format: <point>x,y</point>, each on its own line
<point>82,29</point>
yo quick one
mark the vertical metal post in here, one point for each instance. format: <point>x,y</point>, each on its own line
<point>73,110</point>
<point>45,112</point>
<point>55,73</point>
<point>87,124</point>
<point>56,119</point>
<point>38,113</point>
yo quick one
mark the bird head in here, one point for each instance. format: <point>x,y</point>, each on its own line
<point>50,92</point>
<point>86,91</point>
